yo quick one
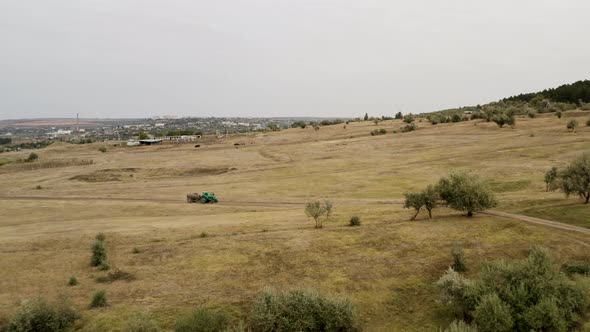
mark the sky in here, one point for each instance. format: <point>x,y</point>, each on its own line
<point>266,58</point>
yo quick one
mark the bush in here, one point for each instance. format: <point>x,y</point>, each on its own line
<point>409,118</point>
<point>100,237</point>
<point>460,326</point>
<point>73,281</point>
<point>493,315</point>
<point>99,254</point>
<point>99,299</point>
<point>38,187</point>
<point>202,320</point>
<point>377,132</point>
<point>572,124</point>
<point>558,114</point>
<point>457,253</point>
<point>408,128</point>
<point>530,294</point>
<point>456,118</point>
<point>38,315</point>
<point>355,221</point>
<point>32,157</point>
<point>577,268</point>
<point>317,210</point>
<point>141,322</point>
<point>301,310</point>
<point>137,250</point>
<point>532,113</point>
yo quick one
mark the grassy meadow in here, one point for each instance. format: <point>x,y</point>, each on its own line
<point>185,255</point>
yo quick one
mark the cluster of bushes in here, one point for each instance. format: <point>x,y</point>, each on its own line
<point>329,123</point>
<point>573,180</point>
<point>5,140</point>
<point>377,132</point>
<point>408,128</point>
<point>39,315</point>
<point>460,191</point>
<point>578,92</point>
<point>524,295</point>
<point>87,140</point>
<point>23,146</point>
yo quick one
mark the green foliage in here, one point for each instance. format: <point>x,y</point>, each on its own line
<point>355,221</point>
<point>426,198</point>
<point>558,114</point>
<point>142,135</point>
<point>531,113</point>
<point>40,316</point>
<point>100,236</point>
<point>5,140</point>
<point>582,268</point>
<point>409,118</point>
<point>493,315</point>
<point>99,254</point>
<point>530,294</point>
<point>457,253</point>
<point>456,118</point>
<point>399,116</point>
<point>317,210</point>
<point>572,124</point>
<point>466,192</point>
<point>575,179</point>
<point>301,310</point>
<point>300,124</point>
<point>202,320</point>
<point>550,178</point>
<point>460,326</point>
<point>568,93</point>
<point>378,132</point>
<point>504,118</point>
<point>99,299</point>
<point>102,149</point>
<point>73,281</point>
<point>141,322</point>
<point>408,128</point>
<point>32,157</point>
<point>137,250</point>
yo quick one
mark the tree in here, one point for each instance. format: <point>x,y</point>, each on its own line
<point>32,157</point>
<point>317,210</point>
<point>399,115</point>
<point>366,116</point>
<point>142,135</point>
<point>466,192</point>
<point>575,179</point>
<point>409,118</point>
<point>550,177</point>
<point>504,118</point>
<point>426,198</point>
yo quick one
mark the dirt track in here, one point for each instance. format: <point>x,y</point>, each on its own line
<point>539,221</point>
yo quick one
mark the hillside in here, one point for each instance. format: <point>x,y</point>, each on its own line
<point>258,235</point>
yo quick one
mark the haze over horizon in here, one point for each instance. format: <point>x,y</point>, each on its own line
<point>269,58</point>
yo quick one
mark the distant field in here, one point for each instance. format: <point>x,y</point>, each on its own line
<point>258,235</point>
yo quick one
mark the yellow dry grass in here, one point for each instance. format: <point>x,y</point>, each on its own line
<point>258,233</point>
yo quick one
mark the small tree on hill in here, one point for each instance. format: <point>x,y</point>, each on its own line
<point>399,115</point>
<point>550,177</point>
<point>575,179</point>
<point>572,125</point>
<point>426,198</point>
<point>317,211</point>
<point>466,192</point>
<point>366,116</point>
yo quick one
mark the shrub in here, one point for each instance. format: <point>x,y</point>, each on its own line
<point>141,322</point>
<point>100,237</point>
<point>99,254</point>
<point>202,320</point>
<point>409,118</point>
<point>38,315</point>
<point>550,178</point>
<point>203,234</point>
<point>457,253</point>
<point>355,221</point>
<point>577,268</point>
<point>137,250</point>
<point>572,124</point>
<point>99,299</point>
<point>301,310</point>
<point>527,294</point>
<point>575,179</point>
<point>73,281</point>
<point>466,192</point>
<point>38,187</point>
<point>116,275</point>
<point>104,267</point>
<point>558,114</point>
<point>377,132</point>
<point>456,118</point>
<point>532,113</point>
<point>460,326</point>
<point>408,128</point>
<point>102,149</point>
<point>32,157</point>
<point>493,315</point>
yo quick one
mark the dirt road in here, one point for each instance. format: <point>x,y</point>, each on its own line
<point>539,221</point>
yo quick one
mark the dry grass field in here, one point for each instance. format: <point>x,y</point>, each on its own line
<point>258,235</point>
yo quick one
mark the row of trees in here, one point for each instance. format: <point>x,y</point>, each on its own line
<point>577,92</point>
<point>460,191</point>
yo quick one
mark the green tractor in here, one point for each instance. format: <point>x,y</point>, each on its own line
<point>204,198</point>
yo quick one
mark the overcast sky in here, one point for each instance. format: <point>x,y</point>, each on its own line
<point>142,58</point>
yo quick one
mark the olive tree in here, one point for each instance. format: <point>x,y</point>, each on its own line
<point>466,192</point>
<point>550,177</point>
<point>575,179</point>
<point>426,198</point>
<point>317,211</point>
